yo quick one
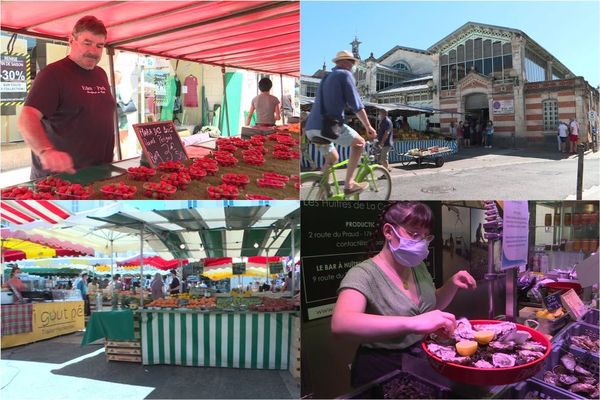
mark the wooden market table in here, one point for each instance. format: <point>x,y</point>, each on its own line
<point>115,172</point>
<point>260,340</point>
<point>46,320</point>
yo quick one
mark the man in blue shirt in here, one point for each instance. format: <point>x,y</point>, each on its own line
<point>336,92</point>
<point>384,137</point>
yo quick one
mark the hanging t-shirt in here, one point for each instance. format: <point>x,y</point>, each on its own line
<point>190,97</point>
<point>78,113</point>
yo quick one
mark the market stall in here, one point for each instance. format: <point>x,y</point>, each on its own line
<point>262,37</point>
<point>406,140</point>
<point>529,329</point>
<point>28,323</point>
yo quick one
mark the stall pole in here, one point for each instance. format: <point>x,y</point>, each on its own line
<point>580,151</point>
<point>111,62</point>
<point>142,265</point>
<point>293,254</point>
<point>281,103</point>
<point>225,109</point>
<point>112,259</point>
<point>511,294</point>
<point>492,280</point>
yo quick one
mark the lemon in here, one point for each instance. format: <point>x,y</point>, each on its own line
<point>484,337</point>
<point>466,348</point>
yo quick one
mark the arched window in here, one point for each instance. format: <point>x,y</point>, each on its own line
<point>550,110</point>
<point>402,66</point>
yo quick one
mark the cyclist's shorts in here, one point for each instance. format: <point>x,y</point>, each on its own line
<point>346,137</point>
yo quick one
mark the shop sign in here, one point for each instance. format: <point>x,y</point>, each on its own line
<point>238,268</point>
<point>160,142</point>
<point>275,268</point>
<point>503,106</point>
<point>50,320</point>
<point>515,235</point>
<point>14,78</point>
<point>592,115</point>
<point>335,237</point>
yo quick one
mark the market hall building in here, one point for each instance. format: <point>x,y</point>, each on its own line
<point>482,72</point>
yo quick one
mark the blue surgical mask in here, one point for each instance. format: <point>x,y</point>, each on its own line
<point>409,253</point>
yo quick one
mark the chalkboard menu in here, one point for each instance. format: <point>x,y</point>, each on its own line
<point>160,142</point>
<point>239,268</point>
<point>552,301</point>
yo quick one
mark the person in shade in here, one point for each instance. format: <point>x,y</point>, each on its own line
<point>389,302</point>
<point>385,135</point>
<point>265,105</point>
<point>68,116</point>
<point>175,285</point>
<point>157,287</point>
<point>337,91</point>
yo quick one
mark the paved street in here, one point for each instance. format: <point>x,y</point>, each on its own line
<point>61,368</point>
<point>478,173</point>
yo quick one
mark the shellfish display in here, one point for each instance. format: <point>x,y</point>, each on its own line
<point>572,376</point>
<point>498,345</point>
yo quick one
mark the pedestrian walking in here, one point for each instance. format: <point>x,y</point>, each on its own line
<point>489,134</point>
<point>563,134</point>
<point>460,134</point>
<point>573,135</point>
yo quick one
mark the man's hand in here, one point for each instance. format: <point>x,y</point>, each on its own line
<point>57,161</point>
<point>371,133</point>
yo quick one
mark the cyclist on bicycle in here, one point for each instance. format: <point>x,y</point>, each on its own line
<point>336,92</point>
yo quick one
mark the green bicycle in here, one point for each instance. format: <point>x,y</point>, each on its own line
<point>319,186</point>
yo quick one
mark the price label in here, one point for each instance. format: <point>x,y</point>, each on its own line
<point>14,78</point>
<point>160,142</point>
<point>573,304</point>
<point>552,302</point>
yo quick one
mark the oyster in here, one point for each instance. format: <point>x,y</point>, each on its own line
<point>501,329</point>
<point>533,346</point>
<point>582,371</point>
<point>502,360</point>
<point>550,377</point>
<point>588,379</point>
<point>519,337</point>
<point>443,352</point>
<point>483,364</point>
<point>528,355</point>
<point>501,346</point>
<point>585,342</point>
<point>568,361</point>
<point>582,388</point>
<point>567,380</point>
<point>463,330</point>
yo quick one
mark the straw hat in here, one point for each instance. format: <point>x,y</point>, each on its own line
<point>344,55</point>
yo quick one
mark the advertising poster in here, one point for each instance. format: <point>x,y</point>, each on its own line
<point>515,234</point>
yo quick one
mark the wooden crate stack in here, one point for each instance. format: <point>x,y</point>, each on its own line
<point>126,350</point>
<point>294,366</point>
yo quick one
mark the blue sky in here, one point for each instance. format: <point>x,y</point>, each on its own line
<point>569,30</point>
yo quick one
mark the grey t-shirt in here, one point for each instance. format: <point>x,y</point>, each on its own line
<point>385,298</point>
<point>264,104</point>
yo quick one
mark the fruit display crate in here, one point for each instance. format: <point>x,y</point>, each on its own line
<point>532,389</point>
<point>591,317</point>
<point>578,329</point>
<point>400,385</point>
<point>586,361</point>
<point>123,350</point>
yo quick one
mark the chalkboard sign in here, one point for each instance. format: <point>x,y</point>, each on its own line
<point>239,268</point>
<point>552,301</point>
<point>276,268</point>
<point>160,142</point>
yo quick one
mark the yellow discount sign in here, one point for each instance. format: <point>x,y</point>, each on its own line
<point>50,320</point>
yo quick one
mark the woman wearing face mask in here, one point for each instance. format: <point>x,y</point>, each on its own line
<point>389,302</point>
<point>15,284</point>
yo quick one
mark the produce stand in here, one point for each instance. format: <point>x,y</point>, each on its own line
<point>46,320</point>
<point>259,340</point>
<point>117,172</point>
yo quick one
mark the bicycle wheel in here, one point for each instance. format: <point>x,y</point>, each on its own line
<point>380,185</point>
<point>310,187</point>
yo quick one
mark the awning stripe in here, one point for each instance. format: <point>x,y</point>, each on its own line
<point>44,209</point>
<point>15,213</point>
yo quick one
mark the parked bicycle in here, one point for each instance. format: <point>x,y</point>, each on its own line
<point>326,185</point>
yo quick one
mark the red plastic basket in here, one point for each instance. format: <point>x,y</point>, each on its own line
<point>558,286</point>
<point>495,376</point>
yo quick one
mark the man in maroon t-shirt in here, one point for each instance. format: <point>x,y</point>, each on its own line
<point>68,117</point>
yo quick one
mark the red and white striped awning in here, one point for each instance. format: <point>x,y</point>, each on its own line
<point>25,211</point>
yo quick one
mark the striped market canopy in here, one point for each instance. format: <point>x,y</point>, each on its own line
<point>19,212</point>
